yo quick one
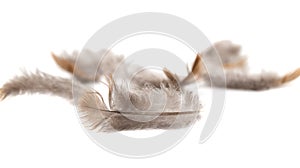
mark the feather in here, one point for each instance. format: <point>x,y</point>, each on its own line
<point>88,66</point>
<point>40,82</point>
<point>95,116</point>
<point>236,72</point>
<point>246,81</point>
<point>148,107</point>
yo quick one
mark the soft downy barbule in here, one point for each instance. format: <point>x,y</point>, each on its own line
<point>150,100</point>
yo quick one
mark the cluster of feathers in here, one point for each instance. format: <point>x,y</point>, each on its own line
<point>152,100</point>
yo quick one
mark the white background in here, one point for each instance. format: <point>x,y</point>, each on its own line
<point>258,129</point>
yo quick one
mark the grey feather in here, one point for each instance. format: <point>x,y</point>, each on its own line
<point>96,116</point>
<point>40,82</point>
<point>237,75</point>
